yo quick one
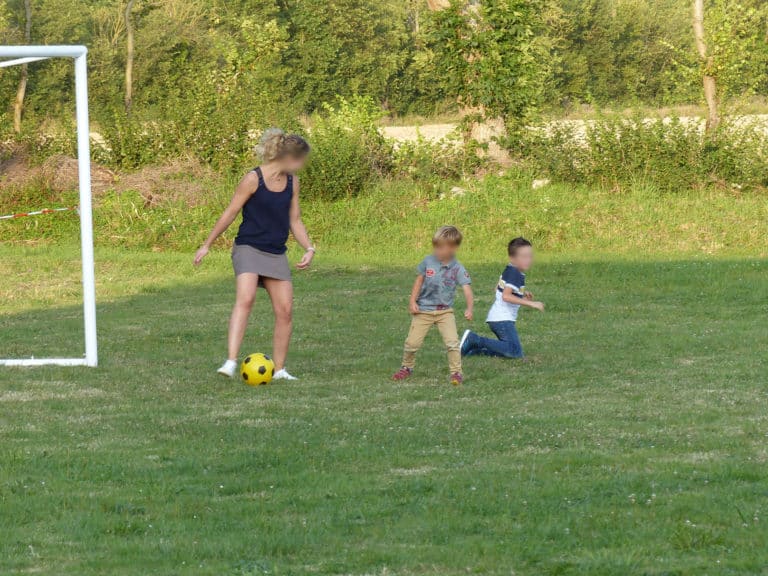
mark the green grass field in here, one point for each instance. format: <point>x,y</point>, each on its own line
<point>633,443</point>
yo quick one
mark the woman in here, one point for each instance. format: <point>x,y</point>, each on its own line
<point>269,199</point>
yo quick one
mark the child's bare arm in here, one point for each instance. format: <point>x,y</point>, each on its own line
<point>470,298</point>
<point>508,296</point>
<point>413,306</point>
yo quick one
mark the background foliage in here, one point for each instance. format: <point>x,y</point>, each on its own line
<point>671,154</point>
<point>211,74</point>
<point>207,62</point>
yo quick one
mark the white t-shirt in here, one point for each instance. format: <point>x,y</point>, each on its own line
<point>504,311</point>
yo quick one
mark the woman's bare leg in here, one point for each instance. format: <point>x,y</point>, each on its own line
<point>281,294</point>
<point>247,284</point>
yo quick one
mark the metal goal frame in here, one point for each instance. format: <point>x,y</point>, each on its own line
<point>16,55</point>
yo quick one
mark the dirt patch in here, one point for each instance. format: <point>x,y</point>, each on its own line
<point>61,173</point>
<point>484,133</point>
<point>57,174</point>
<point>429,132</point>
<point>180,180</point>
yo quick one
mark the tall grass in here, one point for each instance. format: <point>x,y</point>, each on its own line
<point>393,221</point>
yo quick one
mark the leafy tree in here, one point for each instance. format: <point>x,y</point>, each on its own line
<point>343,48</point>
<point>619,50</point>
<point>493,56</point>
<point>730,56</point>
<point>738,40</point>
<point>205,73</point>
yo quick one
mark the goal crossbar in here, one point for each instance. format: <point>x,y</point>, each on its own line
<point>25,54</point>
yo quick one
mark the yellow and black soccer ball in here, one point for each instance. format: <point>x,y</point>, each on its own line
<point>257,369</point>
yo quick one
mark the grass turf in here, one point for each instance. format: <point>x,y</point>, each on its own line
<point>633,443</point>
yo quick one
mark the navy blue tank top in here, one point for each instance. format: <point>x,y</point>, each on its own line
<point>267,218</point>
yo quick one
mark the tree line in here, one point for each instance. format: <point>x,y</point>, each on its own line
<point>196,63</point>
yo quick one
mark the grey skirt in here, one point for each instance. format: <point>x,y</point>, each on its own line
<point>249,260</point>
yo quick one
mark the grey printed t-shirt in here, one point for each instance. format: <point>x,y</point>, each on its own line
<point>440,282</point>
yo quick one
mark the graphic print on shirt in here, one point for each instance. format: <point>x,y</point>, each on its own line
<point>514,279</point>
<point>440,282</point>
<point>450,277</point>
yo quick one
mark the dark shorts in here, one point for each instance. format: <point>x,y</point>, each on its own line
<point>249,260</point>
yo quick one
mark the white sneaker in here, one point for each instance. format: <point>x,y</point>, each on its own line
<point>464,339</point>
<point>283,375</point>
<point>228,369</point>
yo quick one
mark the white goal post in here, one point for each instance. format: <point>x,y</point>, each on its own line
<point>23,55</point>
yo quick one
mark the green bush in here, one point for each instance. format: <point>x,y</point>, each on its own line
<point>219,134</point>
<point>665,153</point>
<point>132,143</point>
<point>436,163</point>
<point>555,150</point>
<point>348,150</point>
<point>59,138</point>
<point>670,154</point>
<point>739,156</point>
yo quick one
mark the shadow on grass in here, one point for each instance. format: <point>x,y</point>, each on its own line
<point>649,311</point>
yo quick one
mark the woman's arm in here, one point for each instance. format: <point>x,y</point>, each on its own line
<point>247,185</point>
<point>510,298</point>
<point>299,230</point>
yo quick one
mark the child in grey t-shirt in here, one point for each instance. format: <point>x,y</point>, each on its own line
<point>432,296</point>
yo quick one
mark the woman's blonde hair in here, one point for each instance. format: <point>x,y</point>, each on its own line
<point>449,235</point>
<point>275,144</point>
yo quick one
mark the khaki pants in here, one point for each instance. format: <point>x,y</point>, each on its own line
<point>420,325</point>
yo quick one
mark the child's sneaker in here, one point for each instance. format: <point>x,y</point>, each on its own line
<point>228,369</point>
<point>403,373</point>
<point>464,341</point>
<point>457,379</point>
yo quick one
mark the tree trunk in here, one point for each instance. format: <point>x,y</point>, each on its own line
<point>129,57</point>
<point>416,17</point>
<point>710,83</point>
<point>21,92</point>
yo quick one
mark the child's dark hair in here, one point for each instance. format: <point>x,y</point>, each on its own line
<point>516,244</point>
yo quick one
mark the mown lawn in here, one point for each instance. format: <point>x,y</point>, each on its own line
<point>635,442</point>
